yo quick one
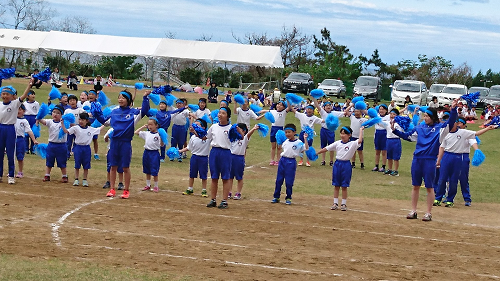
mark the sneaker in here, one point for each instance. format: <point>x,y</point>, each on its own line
<point>106,185</point>
<point>162,160</point>
<point>427,217</point>
<point>85,183</point>
<point>64,179</point>
<point>276,163</point>
<point>449,204</point>
<point>323,163</point>
<point>362,167</point>
<point>146,188</point>
<point>11,180</point>
<point>189,192</point>
<point>46,178</point>
<point>436,203</point>
<point>395,174</point>
<point>271,163</point>
<point>171,159</point>
<point>237,196</point>
<point>412,215</point>
<point>204,193</point>
<point>230,195</point>
<point>275,200</point>
<point>223,205</point>
<point>111,193</point>
<point>468,204</point>
<point>331,163</point>
<point>125,194</point>
<point>96,157</point>
<point>121,186</point>
<point>307,164</point>
<point>353,165</point>
<point>156,189</point>
<point>375,169</point>
<point>300,163</point>
<point>381,170</point>
<point>184,155</point>
<point>387,172</point>
<point>343,207</point>
<point>288,201</point>
<point>334,207</point>
<point>212,204</point>
<point>20,175</point>
<point>179,160</point>
<point>76,183</point>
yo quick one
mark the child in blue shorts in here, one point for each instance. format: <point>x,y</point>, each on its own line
<point>108,139</point>
<point>394,147</point>
<point>92,98</point>
<point>32,107</point>
<point>279,115</point>
<point>357,120</point>
<point>151,155</point>
<point>22,127</point>
<point>342,170</point>
<point>198,164</point>
<point>380,139</point>
<point>179,131</point>
<point>164,117</point>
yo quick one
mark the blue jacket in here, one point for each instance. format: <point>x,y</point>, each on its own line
<point>164,117</point>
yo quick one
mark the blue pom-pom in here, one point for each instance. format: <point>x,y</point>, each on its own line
<point>357,99</point>
<point>317,93</point>
<point>311,154</point>
<point>371,122</point>
<point>139,86</point>
<point>234,135</point>
<point>51,107</point>
<point>54,93</point>
<point>294,99</point>
<point>280,137</point>
<point>263,130</point>
<point>309,131</point>
<point>403,122</point>
<point>471,98</point>
<point>7,73</point>
<point>423,108</point>
<point>199,130</point>
<point>255,108</point>
<point>86,108</point>
<point>43,76</point>
<point>478,158</point>
<point>103,99</point>
<point>36,131</point>
<point>415,119</point>
<point>377,108</point>
<point>155,98</point>
<point>205,117</point>
<point>214,114</point>
<point>41,150</point>
<point>372,113</point>
<point>173,153</point>
<point>152,112</point>
<point>61,131</point>
<point>411,108</point>
<point>96,124</point>
<point>163,90</point>
<point>360,105</point>
<point>106,113</point>
<point>332,122</point>
<point>170,99</point>
<point>42,111</point>
<point>70,117</point>
<point>163,135</point>
<point>239,99</point>
<point>269,116</point>
<point>95,108</point>
<point>478,140</point>
<point>194,107</point>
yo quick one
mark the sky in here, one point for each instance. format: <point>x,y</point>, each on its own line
<point>458,30</point>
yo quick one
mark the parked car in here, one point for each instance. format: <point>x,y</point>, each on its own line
<point>493,96</point>
<point>333,87</point>
<point>434,91</point>
<point>369,87</point>
<point>483,92</point>
<point>417,90</point>
<point>298,82</point>
<point>451,92</point>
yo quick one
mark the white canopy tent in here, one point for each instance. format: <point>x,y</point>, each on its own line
<point>21,39</point>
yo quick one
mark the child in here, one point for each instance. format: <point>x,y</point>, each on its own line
<point>122,120</point>
<point>63,102</point>
<point>223,103</point>
<point>83,135</point>
<point>32,107</point>
<point>342,170</point>
<point>218,134</point>
<point>72,81</point>
<point>108,138</point>
<point>56,149</point>
<point>203,110</point>
<point>76,111</point>
<point>287,165</point>
<point>164,116</point>
<point>229,96</point>
<point>356,121</point>
<point>92,98</point>
<point>238,150</point>
<point>198,164</point>
<point>244,113</point>
<point>306,119</point>
<point>393,145</point>
<point>151,156</point>
<point>8,116</point>
<point>55,78</point>
<point>98,83</point>
<point>22,127</point>
<point>380,139</point>
<point>36,82</point>
<point>279,121</point>
<point>179,132</point>
<point>84,96</point>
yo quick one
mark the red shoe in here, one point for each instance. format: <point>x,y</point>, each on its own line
<point>146,188</point>
<point>111,193</point>
<point>46,178</point>
<point>64,180</point>
<point>125,194</point>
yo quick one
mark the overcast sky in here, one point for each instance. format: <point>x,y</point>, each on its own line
<point>459,30</point>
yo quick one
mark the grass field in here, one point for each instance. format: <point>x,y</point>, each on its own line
<point>369,192</point>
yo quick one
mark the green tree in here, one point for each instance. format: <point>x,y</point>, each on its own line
<point>220,76</point>
<point>122,67</point>
<point>191,75</point>
<point>246,77</point>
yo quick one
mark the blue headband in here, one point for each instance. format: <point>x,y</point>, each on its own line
<point>288,128</point>
<point>384,106</point>
<point>92,91</point>
<point>347,129</point>
<point>153,118</point>
<point>224,101</point>
<point>224,108</point>
<point>9,89</point>
<point>126,94</point>
<point>462,120</point>
<point>429,112</point>
<point>447,113</point>
<point>327,103</point>
<point>311,107</point>
<point>283,102</point>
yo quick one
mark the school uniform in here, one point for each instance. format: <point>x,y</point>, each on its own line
<point>22,127</point>
<point>164,118</point>
<point>279,122</point>
<point>307,121</point>
<point>151,155</point>
<point>200,113</point>
<point>71,138</point>
<point>342,170</point>
<point>198,164</point>
<point>81,150</point>
<point>287,166</point>
<point>30,115</point>
<point>179,130</point>
<point>91,118</point>
<point>393,143</point>
<point>244,116</point>
<point>108,155</point>
<point>326,136</point>
<point>8,118</point>
<point>219,163</point>
<point>56,149</point>
<point>380,138</point>
<point>238,150</point>
<point>355,126</point>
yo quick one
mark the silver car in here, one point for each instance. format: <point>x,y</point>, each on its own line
<point>333,87</point>
<point>434,91</point>
<point>483,92</point>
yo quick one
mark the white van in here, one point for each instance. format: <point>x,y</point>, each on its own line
<point>451,92</point>
<point>417,90</point>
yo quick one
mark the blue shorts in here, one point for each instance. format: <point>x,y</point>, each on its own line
<point>95,137</point>
<point>56,152</point>
<point>423,168</point>
<point>179,136</point>
<point>342,173</point>
<point>121,153</point>
<point>274,129</point>
<point>301,138</point>
<point>220,166</point>
<point>198,165</point>
<point>394,149</point>
<point>326,136</point>
<point>82,155</point>
<point>380,140</point>
<point>108,166</point>
<point>31,119</point>
<point>354,139</point>
<point>237,166</point>
<point>20,148</point>
<point>151,162</point>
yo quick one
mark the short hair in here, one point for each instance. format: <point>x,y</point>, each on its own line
<point>203,123</point>
<point>243,126</point>
<point>347,130</point>
<point>291,126</point>
<point>228,110</point>
<point>72,97</point>
<point>84,115</point>
<point>202,100</point>
<point>22,107</point>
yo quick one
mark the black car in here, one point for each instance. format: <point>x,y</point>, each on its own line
<point>298,82</point>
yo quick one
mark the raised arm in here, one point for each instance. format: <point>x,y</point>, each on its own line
<point>482,131</point>
<point>145,104</point>
<point>140,129</point>
<point>250,133</point>
<point>63,127</point>
<point>28,88</point>
<point>361,130</point>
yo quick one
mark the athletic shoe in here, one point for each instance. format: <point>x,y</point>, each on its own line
<point>331,163</point>
<point>343,207</point>
<point>179,160</point>
<point>387,172</point>
<point>46,178</point>
<point>162,160</point>
<point>204,193</point>
<point>125,194</point>
<point>300,163</point>
<point>111,193</point>
<point>223,205</point>
<point>323,163</point>
<point>64,179</point>
<point>106,185</point>
<point>381,170</point>
<point>96,157</point>
<point>276,163</point>
<point>230,195</point>
<point>275,200</point>
<point>146,188</point>
<point>436,203</point>
<point>427,217</point>
<point>189,192</point>
<point>468,203</point>
<point>288,201</point>
<point>375,169</point>
<point>171,159</point>
<point>307,164</point>
<point>20,175</point>
<point>212,204</point>
<point>76,183</point>
<point>449,204</point>
<point>353,165</point>
<point>85,183</point>
<point>395,174</point>
<point>11,180</point>
<point>362,167</point>
<point>120,186</point>
<point>271,163</point>
<point>237,196</point>
<point>184,155</point>
<point>156,189</point>
<point>412,215</point>
<point>334,207</point>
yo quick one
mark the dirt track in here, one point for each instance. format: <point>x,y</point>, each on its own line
<point>253,239</point>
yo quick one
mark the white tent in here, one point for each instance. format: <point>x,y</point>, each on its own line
<point>21,39</point>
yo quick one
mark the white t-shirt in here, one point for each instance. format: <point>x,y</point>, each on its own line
<point>83,136</point>
<point>31,108</point>
<point>107,134</point>
<point>8,112</point>
<point>356,125</point>
<point>239,147</point>
<point>459,141</point>
<point>198,146</point>
<point>179,118</point>
<point>219,136</point>
<point>390,134</point>
<point>344,151</point>
<point>22,126</point>
<point>200,113</point>
<point>152,140</point>
<point>379,126</point>
<point>76,112</point>
<point>86,103</point>
<point>324,115</point>
<point>279,117</point>
<point>54,128</point>
<point>292,149</point>
<point>307,120</point>
<point>244,116</point>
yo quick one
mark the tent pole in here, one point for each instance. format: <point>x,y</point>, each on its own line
<point>169,69</point>
<point>152,72</point>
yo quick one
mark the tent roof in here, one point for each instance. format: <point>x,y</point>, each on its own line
<point>21,39</point>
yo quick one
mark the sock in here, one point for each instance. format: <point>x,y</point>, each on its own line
<point>148,182</point>
<point>362,164</point>
<point>84,179</point>
<point>344,201</point>
<point>204,189</point>
<point>47,175</point>
<point>335,201</point>
<point>383,167</point>
<point>353,163</point>
<point>64,176</point>
<point>376,166</point>
<point>190,188</point>
<point>156,184</point>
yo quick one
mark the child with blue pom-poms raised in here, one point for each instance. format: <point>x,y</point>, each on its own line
<point>179,129</point>
<point>279,115</point>
<point>151,155</point>
<point>32,107</point>
<point>244,112</point>
<point>76,111</point>
<point>357,120</point>
<point>164,117</point>
<point>342,170</point>
<point>287,166</point>
<point>22,127</point>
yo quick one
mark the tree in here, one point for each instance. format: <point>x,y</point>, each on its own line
<point>220,76</point>
<point>123,67</point>
<point>191,75</point>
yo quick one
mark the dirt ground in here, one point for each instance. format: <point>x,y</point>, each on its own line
<point>253,239</point>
